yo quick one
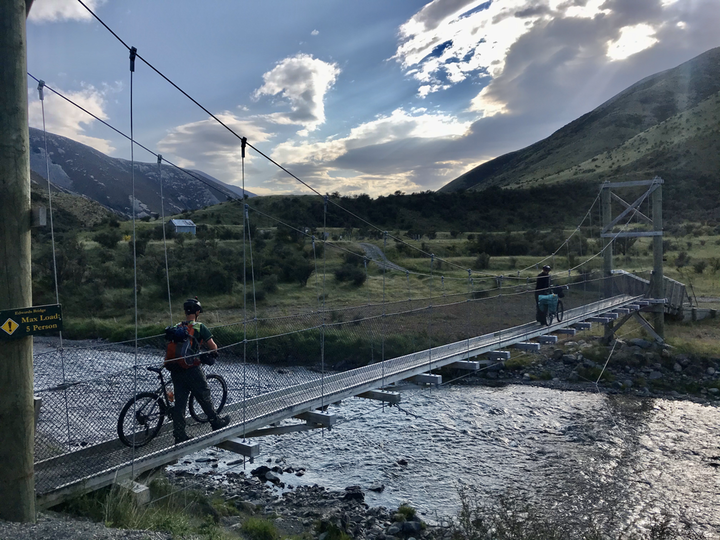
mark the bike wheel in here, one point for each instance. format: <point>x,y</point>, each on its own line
<point>218,396</point>
<point>140,419</point>
<point>560,311</point>
<point>549,317</point>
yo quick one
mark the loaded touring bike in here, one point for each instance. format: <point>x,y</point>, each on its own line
<point>142,416</point>
<point>549,306</point>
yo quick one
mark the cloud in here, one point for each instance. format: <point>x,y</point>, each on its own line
<point>65,119</point>
<point>632,40</point>
<point>314,32</point>
<point>303,82</point>
<point>208,146</point>
<point>402,150</point>
<point>61,10</point>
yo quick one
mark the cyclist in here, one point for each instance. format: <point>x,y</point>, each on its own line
<point>192,379</point>
<point>542,283</point>
<point>542,286</point>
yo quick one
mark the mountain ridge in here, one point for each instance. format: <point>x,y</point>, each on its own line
<point>81,169</point>
<point>653,101</point>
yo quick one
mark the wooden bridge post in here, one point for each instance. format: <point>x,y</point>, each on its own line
<point>658,281</point>
<point>17,480</point>
<point>607,242</point>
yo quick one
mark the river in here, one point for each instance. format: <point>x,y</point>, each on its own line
<point>580,452</point>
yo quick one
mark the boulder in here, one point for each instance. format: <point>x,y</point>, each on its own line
<point>654,375</point>
<point>642,343</point>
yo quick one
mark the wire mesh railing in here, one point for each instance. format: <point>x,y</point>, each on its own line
<point>282,354</point>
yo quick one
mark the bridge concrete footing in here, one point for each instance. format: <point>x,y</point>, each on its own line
<point>547,339</point>
<point>139,493</point>
<point>566,331</point>
<point>318,417</point>
<point>528,346</point>
<point>583,325</point>
<point>380,395</point>
<point>241,447</point>
<point>467,365</point>
<point>499,355</point>
<point>426,378</point>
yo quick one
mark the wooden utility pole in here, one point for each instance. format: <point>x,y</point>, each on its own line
<point>17,430</point>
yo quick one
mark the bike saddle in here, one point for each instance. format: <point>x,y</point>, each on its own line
<point>155,369</point>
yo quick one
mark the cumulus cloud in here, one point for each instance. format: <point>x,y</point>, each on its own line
<point>302,81</point>
<point>61,10</point>
<point>212,148</point>
<point>65,119</point>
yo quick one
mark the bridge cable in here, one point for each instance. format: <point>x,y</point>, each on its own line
<point>324,310</point>
<point>133,53</point>
<point>246,229</point>
<point>382,326</point>
<point>567,240</point>
<point>41,96</point>
<point>165,249</point>
<point>430,313</point>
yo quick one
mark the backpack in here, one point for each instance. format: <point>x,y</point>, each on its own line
<point>182,346</point>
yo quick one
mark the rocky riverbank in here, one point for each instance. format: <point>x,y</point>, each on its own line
<point>636,366</point>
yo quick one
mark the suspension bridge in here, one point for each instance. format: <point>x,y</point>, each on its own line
<point>77,449</point>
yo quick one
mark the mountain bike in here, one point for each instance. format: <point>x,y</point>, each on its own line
<point>143,415</point>
<point>551,307</point>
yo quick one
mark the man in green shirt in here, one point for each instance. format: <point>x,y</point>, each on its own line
<point>192,379</point>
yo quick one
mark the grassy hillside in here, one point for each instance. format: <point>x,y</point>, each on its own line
<point>666,124</point>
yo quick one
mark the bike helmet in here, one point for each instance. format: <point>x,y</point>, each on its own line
<point>192,305</point>
<point>546,267</point>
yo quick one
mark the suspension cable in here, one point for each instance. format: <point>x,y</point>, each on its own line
<point>133,53</point>
<point>41,95</point>
<point>165,249</point>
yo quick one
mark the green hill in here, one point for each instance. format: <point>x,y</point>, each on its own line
<point>668,124</point>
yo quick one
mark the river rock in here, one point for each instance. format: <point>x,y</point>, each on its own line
<point>377,488</point>
<point>260,471</point>
<point>654,375</point>
<point>557,354</point>
<point>272,478</point>
<point>394,529</point>
<point>711,371</point>
<point>713,390</point>
<point>677,367</point>
<point>627,383</point>
<point>411,527</point>
<point>569,358</point>
<point>354,493</point>
<point>642,343</point>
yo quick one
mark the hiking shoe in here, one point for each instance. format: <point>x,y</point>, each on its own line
<point>220,422</point>
<point>182,438</point>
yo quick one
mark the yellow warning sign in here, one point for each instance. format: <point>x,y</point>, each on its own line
<point>29,321</point>
<point>10,326</point>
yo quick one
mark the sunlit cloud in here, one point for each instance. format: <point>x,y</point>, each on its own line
<point>63,118</point>
<point>62,10</point>
<point>302,81</point>
<point>632,40</point>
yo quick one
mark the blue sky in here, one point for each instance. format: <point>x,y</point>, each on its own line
<point>356,97</point>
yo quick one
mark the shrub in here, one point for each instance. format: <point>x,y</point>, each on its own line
<point>699,267</point>
<point>108,239</point>
<point>482,262</point>
<point>350,273</point>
